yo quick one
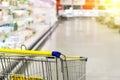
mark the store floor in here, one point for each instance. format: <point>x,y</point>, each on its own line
<point>86,37</point>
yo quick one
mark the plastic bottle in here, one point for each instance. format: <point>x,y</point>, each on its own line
<point>15,26</point>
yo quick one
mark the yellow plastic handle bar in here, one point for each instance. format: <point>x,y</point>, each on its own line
<point>32,52</point>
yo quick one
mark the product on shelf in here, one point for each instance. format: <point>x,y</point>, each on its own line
<point>15,26</point>
<point>19,13</point>
<point>28,33</point>
<point>16,39</point>
<point>5,3</point>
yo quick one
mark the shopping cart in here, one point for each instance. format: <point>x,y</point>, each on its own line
<point>40,65</point>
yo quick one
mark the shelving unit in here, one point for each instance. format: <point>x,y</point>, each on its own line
<point>28,19</point>
<point>87,8</point>
<point>79,8</point>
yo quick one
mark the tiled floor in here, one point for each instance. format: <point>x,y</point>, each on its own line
<point>86,37</point>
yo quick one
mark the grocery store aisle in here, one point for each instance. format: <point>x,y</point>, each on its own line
<point>86,37</point>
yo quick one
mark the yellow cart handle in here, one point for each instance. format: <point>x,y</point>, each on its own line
<point>32,52</point>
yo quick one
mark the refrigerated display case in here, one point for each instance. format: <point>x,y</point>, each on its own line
<point>24,21</point>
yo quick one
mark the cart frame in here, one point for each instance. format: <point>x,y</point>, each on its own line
<point>63,67</point>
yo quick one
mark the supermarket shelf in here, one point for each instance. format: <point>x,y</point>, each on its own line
<point>14,7</point>
<point>4,7</point>
<point>80,13</point>
<point>12,20</point>
<point>5,22</point>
